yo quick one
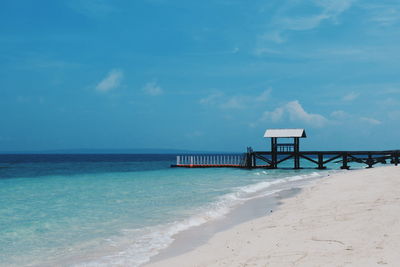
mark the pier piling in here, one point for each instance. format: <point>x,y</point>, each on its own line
<point>321,161</point>
<point>344,162</point>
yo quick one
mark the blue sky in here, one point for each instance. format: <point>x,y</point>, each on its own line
<point>201,75</point>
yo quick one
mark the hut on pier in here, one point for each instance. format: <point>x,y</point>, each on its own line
<point>292,148</point>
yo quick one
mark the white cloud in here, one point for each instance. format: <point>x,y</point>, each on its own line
<point>111,81</point>
<point>384,14</point>
<point>370,120</point>
<point>295,112</point>
<point>275,115</point>
<point>274,36</point>
<point>153,89</point>
<point>302,23</point>
<point>234,102</point>
<point>342,116</point>
<point>339,114</point>
<point>389,102</point>
<point>329,10</point>
<point>265,50</point>
<point>350,96</point>
<point>264,96</point>
<point>334,7</point>
<point>211,99</point>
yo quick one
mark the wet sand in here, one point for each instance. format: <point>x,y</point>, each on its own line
<point>348,219</point>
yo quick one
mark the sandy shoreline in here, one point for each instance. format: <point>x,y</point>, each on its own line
<point>349,219</point>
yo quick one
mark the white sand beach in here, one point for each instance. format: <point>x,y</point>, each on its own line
<point>348,219</point>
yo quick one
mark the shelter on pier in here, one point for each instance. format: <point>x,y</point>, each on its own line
<point>276,147</point>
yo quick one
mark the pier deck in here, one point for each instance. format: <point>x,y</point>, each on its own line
<point>272,159</point>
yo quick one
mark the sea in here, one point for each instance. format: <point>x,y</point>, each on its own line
<point>118,210</point>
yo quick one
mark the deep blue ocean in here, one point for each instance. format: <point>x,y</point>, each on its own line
<point>102,210</point>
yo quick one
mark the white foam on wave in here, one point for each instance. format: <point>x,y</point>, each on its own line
<point>160,237</point>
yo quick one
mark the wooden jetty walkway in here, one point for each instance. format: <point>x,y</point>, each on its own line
<point>281,152</point>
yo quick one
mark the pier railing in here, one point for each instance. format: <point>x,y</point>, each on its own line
<point>212,160</point>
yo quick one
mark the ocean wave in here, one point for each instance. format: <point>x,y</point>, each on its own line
<point>153,239</point>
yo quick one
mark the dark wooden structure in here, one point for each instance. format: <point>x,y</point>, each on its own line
<point>321,158</point>
<point>293,148</point>
<point>281,152</point>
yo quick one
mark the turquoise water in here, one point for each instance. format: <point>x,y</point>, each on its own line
<point>113,210</point>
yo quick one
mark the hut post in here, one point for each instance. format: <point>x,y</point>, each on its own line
<point>296,149</point>
<point>344,162</point>
<point>274,156</point>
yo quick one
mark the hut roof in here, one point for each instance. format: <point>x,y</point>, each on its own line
<point>285,133</point>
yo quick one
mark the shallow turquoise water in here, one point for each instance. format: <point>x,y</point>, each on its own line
<point>113,211</point>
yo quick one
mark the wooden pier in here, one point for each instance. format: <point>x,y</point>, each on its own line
<point>282,152</point>
<point>270,160</point>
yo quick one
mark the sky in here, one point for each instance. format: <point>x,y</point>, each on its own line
<point>198,75</point>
